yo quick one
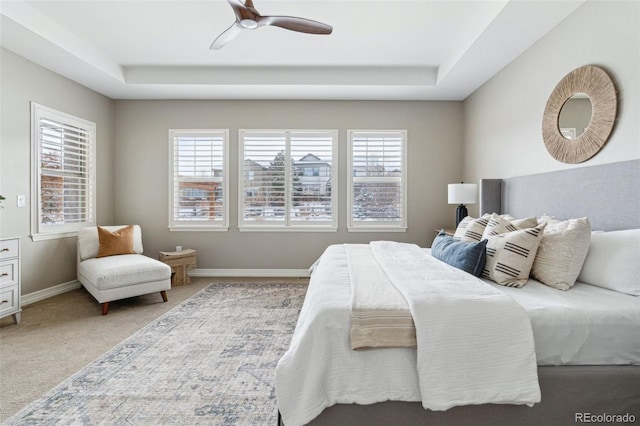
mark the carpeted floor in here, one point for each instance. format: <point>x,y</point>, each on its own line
<point>209,361</point>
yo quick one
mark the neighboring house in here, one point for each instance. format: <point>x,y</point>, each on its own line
<point>311,182</point>
<point>201,199</point>
<point>254,185</point>
<point>313,177</point>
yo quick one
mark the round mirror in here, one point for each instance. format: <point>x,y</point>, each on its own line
<point>575,116</point>
<point>594,85</point>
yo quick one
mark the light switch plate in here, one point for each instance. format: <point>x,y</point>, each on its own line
<point>22,200</point>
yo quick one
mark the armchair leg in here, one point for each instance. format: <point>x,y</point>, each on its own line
<point>164,295</point>
<point>105,308</point>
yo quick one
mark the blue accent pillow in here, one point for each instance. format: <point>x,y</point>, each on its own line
<point>470,257</point>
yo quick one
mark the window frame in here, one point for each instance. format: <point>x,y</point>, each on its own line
<point>221,225</point>
<point>288,225</point>
<point>39,230</point>
<point>377,226</point>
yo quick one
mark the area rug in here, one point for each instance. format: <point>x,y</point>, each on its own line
<point>209,361</point>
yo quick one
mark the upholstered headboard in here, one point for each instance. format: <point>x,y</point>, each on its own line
<point>608,194</point>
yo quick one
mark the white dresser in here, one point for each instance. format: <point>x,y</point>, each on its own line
<point>10,278</point>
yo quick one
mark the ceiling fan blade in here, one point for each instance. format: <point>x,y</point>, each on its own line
<point>243,10</point>
<point>293,23</point>
<point>226,36</point>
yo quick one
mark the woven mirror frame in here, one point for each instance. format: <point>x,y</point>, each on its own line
<point>598,86</point>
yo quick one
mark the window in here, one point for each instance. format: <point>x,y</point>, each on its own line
<point>198,180</point>
<point>287,180</point>
<point>377,180</point>
<point>63,157</point>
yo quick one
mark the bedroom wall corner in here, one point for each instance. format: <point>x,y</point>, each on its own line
<point>49,263</point>
<point>503,118</point>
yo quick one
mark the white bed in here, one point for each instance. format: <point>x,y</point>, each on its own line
<point>320,369</point>
<point>587,339</point>
<point>587,325</point>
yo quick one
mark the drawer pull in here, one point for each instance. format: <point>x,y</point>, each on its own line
<point>4,274</point>
<point>6,249</point>
<point>4,301</point>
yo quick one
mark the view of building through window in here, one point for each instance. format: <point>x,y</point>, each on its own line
<point>63,157</point>
<point>287,177</point>
<point>377,169</point>
<point>198,178</point>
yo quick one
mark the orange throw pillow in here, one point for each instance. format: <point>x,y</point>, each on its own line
<point>117,242</point>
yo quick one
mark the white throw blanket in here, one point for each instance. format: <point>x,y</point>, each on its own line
<point>474,343</point>
<point>380,315</point>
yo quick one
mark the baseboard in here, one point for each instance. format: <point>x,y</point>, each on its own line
<point>267,273</point>
<point>39,295</point>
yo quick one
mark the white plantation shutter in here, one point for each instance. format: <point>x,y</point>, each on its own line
<point>287,179</point>
<point>263,177</point>
<point>64,172</point>
<point>312,178</point>
<point>198,180</point>
<point>377,180</point>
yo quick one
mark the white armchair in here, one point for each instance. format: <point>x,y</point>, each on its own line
<point>118,277</point>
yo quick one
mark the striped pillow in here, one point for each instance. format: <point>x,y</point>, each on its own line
<point>497,225</point>
<point>511,255</point>
<point>470,230</point>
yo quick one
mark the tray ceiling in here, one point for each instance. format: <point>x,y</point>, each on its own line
<point>387,50</point>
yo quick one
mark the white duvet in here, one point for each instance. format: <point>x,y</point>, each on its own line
<point>320,369</point>
<point>586,325</point>
<point>474,343</point>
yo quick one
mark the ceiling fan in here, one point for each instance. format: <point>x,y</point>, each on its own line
<point>247,17</point>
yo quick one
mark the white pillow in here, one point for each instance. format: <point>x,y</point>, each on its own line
<point>510,256</point>
<point>548,219</point>
<point>561,252</point>
<point>499,224</point>
<point>613,261</point>
<point>527,222</point>
<point>470,229</point>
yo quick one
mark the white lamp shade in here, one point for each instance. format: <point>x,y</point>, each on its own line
<point>463,193</point>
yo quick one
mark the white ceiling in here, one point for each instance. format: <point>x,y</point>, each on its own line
<point>379,49</point>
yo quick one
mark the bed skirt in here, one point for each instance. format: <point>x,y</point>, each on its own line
<point>570,395</point>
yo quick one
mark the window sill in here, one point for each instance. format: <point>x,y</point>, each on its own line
<point>276,228</point>
<point>198,228</point>
<point>377,229</point>
<point>53,235</point>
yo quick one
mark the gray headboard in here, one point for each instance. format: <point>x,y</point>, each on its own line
<point>608,194</point>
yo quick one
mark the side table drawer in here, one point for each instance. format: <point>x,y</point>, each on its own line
<point>8,272</point>
<point>9,248</point>
<point>8,300</point>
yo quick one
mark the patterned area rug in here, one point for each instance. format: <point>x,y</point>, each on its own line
<point>209,361</point>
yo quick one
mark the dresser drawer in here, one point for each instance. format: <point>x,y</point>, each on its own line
<point>8,272</point>
<point>9,299</point>
<point>9,248</point>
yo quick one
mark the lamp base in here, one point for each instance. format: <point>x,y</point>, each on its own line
<point>461,213</point>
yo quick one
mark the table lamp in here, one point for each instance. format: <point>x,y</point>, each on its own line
<point>461,194</point>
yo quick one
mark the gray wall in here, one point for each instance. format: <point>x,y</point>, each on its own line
<point>503,119</point>
<point>51,262</point>
<point>141,172</point>
<point>496,132</point>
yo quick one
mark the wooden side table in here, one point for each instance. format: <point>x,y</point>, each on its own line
<point>180,262</point>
